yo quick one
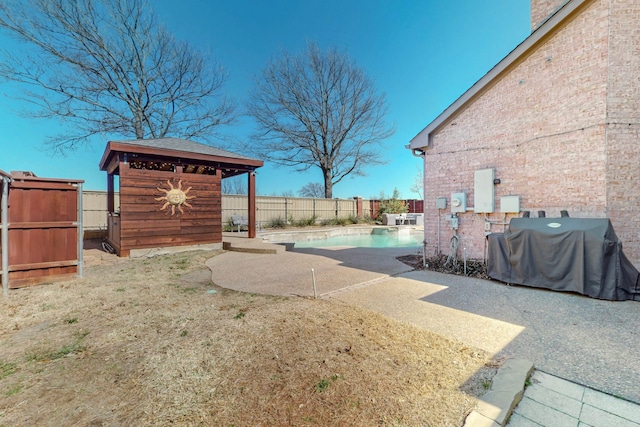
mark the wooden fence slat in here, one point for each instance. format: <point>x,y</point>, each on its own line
<point>42,265</point>
<point>43,185</point>
<point>51,224</point>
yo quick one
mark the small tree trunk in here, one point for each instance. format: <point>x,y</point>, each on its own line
<point>137,125</point>
<point>328,185</point>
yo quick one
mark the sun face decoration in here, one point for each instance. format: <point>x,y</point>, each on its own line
<point>175,197</point>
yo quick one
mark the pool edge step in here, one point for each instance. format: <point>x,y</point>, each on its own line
<point>257,248</point>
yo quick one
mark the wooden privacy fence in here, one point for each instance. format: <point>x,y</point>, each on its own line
<point>268,208</point>
<point>41,233</point>
<point>297,208</point>
<point>94,212</point>
<point>286,208</point>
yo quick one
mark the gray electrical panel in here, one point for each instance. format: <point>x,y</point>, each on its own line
<point>441,203</point>
<point>510,204</point>
<point>483,194</point>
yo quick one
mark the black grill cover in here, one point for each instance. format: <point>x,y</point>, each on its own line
<point>580,255</point>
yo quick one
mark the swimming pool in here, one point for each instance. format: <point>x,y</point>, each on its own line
<point>382,237</point>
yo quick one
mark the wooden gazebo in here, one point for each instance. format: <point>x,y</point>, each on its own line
<point>170,193</point>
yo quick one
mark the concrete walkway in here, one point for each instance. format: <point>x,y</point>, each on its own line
<point>590,344</point>
<point>554,402</point>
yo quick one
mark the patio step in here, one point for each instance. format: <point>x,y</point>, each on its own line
<point>255,246</point>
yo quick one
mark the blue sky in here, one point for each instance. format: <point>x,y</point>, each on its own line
<point>422,54</point>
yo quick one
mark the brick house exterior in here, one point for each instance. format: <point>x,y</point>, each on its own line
<point>543,9</point>
<point>557,120</point>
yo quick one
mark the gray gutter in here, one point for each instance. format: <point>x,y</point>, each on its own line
<point>424,138</point>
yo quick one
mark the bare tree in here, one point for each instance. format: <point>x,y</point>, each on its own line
<point>312,189</point>
<point>107,66</point>
<point>418,183</point>
<point>235,185</point>
<point>318,109</point>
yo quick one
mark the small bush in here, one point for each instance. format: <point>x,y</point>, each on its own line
<point>351,219</point>
<point>369,220</point>
<point>228,226</point>
<point>342,221</point>
<point>304,222</point>
<point>278,222</point>
<point>355,219</point>
<point>336,221</point>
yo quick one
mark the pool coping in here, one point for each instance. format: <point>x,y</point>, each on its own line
<point>292,236</point>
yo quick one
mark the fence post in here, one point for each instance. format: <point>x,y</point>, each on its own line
<point>286,211</point>
<point>80,232</point>
<point>4,219</point>
<point>251,205</point>
<point>358,206</point>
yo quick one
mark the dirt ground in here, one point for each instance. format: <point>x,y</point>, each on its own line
<point>154,342</point>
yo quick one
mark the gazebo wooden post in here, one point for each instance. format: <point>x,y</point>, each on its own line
<point>110,193</point>
<point>252,205</point>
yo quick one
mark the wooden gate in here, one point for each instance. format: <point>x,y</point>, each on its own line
<point>44,233</point>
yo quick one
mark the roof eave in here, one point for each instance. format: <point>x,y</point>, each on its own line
<point>105,156</point>
<point>422,140</point>
<point>114,147</point>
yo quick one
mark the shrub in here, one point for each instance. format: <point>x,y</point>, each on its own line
<point>228,226</point>
<point>355,219</point>
<point>305,222</point>
<point>339,221</point>
<point>278,222</point>
<point>342,221</point>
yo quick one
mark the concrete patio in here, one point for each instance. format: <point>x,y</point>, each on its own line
<point>590,344</point>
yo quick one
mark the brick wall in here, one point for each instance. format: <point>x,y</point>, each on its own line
<point>542,9</point>
<point>623,118</point>
<point>544,127</point>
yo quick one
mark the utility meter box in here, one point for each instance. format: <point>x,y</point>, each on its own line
<point>510,204</point>
<point>458,202</point>
<point>441,203</point>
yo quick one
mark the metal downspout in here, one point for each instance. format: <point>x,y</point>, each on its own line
<point>4,242</point>
<point>421,154</point>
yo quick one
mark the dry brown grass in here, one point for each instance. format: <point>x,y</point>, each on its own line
<point>154,342</point>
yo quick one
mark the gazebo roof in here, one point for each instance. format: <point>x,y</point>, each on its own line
<point>176,150</point>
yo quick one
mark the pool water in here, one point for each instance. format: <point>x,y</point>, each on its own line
<point>389,240</point>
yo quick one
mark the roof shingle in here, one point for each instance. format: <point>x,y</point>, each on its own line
<point>186,145</point>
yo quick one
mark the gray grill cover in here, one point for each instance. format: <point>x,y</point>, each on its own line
<point>580,255</point>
